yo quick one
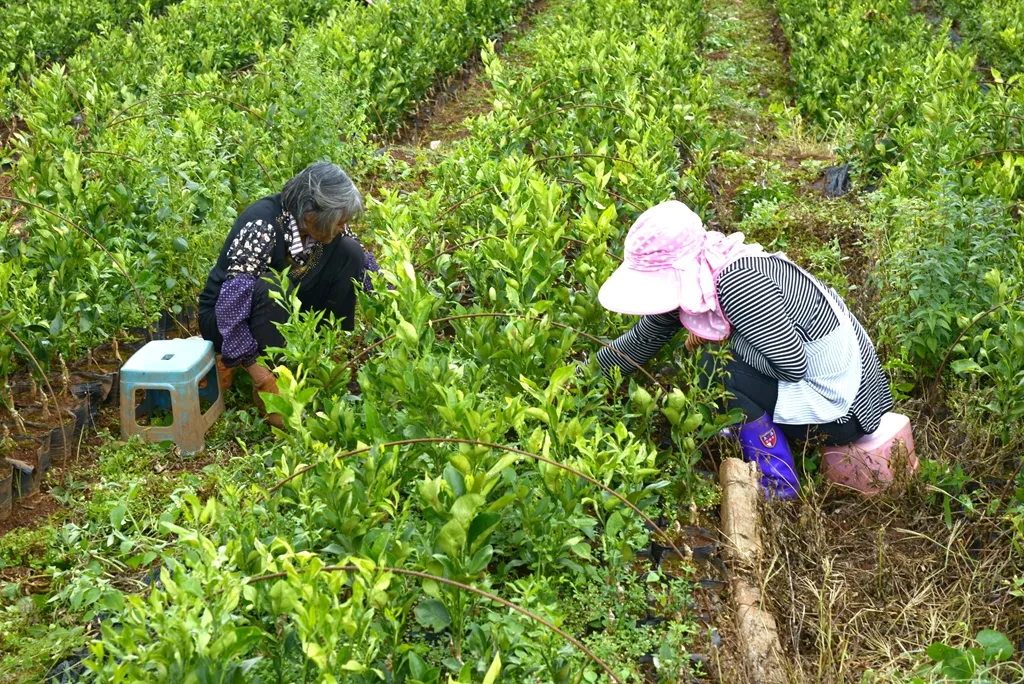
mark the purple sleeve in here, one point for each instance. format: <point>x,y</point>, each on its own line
<point>371,265</point>
<point>233,307</point>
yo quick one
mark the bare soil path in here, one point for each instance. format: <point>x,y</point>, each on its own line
<point>856,585</point>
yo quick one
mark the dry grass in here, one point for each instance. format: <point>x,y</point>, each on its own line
<point>859,584</point>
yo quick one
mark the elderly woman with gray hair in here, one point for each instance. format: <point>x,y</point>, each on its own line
<point>304,228</point>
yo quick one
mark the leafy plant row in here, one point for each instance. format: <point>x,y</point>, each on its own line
<point>158,50</point>
<point>994,29</point>
<point>163,166</point>
<point>466,369</point>
<point>943,145</point>
<point>36,33</point>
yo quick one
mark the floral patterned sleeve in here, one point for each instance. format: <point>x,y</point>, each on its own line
<point>250,251</point>
<point>248,257</point>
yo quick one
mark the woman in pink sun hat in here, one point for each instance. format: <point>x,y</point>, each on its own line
<point>802,364</point>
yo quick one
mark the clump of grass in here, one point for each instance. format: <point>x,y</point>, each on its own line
<point>868,584</point>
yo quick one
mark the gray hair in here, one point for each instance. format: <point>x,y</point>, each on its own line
<point>324,190</point>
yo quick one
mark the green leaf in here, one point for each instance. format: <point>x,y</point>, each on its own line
<point>494,670</point>
<point>966,366</point>
<point>117,514</point>
<point>614,524</point>
<point>180,244</point>
<point>407,333</point>
<point>56,325</point>
<point>114,601</point>
<point>465,507</point>
<point>692,422</point>
<point>940,652</point>
<point>481,527</point>
<point>283,597</point>
<point>452,538</point>
<point>433,615</point>
<point>997,646</point>
<point>481,560</point>
<point>455,480</point>
<point>417,666</point>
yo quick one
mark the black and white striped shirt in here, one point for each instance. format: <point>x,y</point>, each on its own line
<point>774,309</point>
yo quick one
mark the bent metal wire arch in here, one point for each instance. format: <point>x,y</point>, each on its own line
<point>463,587</point>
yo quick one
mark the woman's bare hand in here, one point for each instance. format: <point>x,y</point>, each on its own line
<point>693,343</point>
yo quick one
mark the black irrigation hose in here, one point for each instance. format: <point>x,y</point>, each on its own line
<point>464,587</point>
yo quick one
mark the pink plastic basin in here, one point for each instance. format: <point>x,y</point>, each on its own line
<point>868,464</point>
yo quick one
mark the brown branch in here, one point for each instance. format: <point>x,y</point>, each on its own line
<point>462,201</point>
<point>989,153</point>
<point>446,319</point>
<point>918,99</point>
<point>380,119</point>
<point>470,243</point>
<point>455,206</point>
<point>189,93</point>
<point>53,395</point>
<point>252,154</point>
<point>464,587</point>
<point>979,155</point>
<point>499,447</point>
<point>95,240</point>
<point>570,108</point>
<point>613,194</point>
<point>585,156</point>
<point>137,116</point>
<point>115,154</point>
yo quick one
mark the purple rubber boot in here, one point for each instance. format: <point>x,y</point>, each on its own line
<point>764,444</point>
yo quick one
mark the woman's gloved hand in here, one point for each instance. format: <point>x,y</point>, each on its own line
<point>264,380</point>
<point>225,375</point>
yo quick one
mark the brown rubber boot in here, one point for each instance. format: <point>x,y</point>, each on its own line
<point>225,375</point>
<point>263,380</point>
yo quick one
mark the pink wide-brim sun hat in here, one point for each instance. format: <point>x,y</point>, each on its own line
<point>640,293</point>
<point>671,262</point>
<point>646,283</point>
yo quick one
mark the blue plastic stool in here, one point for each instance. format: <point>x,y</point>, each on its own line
<point>171,373</point>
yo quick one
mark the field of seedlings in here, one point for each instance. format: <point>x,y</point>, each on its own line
<point>459,494</point>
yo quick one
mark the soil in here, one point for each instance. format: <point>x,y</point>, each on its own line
<point>854,584</point>
<point>30,512</point>
<point>444,115</point>
<point>24,451</point>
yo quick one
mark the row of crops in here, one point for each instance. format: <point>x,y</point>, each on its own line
<point>34,34</point>
<point>147,142</point>
<point>943,143</point>
<point>995,29</point>
<point>471,508</point>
